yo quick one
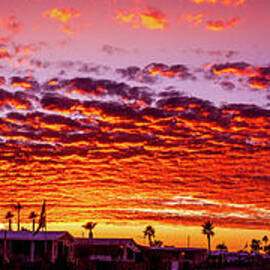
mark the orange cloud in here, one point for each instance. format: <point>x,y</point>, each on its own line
<point>195,19</point>
<point>233,2</point>
<point>151,19</point>
<point>223,2</point>
<point>215,25</point>
<point>67,30</point>
<point>24,85</point>
<point>154,20</point>
<point>25,50</point>
<point>220,25</point>
<point>258,84</point>
<point>204,1</point>
<point>4,54</point>
<point>236,70</point>
<point>61,15</point>
<point>125,18</point>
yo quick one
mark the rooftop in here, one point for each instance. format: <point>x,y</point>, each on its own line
<point>105,241</point>
<point>28,235</point>
<point>177,249</point>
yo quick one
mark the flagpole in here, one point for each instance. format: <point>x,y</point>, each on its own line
<point>42,218</point>
<point>45,226</point>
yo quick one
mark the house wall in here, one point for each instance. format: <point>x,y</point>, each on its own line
<point>174,265</point>
<point>102,265</point>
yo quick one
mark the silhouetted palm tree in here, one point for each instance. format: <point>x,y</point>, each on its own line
<point>90,226</point>
<point>266,247</point>
<point>222,247</point>
<point>9,216</point>
<point>149,232</point>
<point>208,231</point>
<point>265,239</point>
<point>33,216</point>
<point>18,207</point>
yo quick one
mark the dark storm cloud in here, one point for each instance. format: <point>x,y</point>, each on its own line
<point>112,50</point>
<point>248,111</point>
<point>249,76</point>
<point>227,85</point>
<point>90,68</point>
<point>24,82</point>
<point>15,100</point>
<point>261,79</point>
<point>92,87</point>
<point>185,102</point>
<point>235,67</point>
<point>151,72</point>
<point>130,73</point>
<point>57,102</point>
<point>213,53</point>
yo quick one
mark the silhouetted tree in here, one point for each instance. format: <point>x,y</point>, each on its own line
<point>245,248</point>
<point>265,240</point>
<point>149,232</point>
<point>208,231</point>
<point>18,207</point>
<point>255,246</point>
<point>90,226</point>
<point>222,247</point>
<point>9,217</point>
<point>267,249</point>
<point>33,216</point>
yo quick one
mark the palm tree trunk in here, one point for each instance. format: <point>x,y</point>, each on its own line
<point>33,224</point>
<point>149,240</point>
<point>209,243</point>
<point>19,217</point>
<point>90,234</point>
<point>9,225</point>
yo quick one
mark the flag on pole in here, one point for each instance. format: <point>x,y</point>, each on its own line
<point>42,218</point>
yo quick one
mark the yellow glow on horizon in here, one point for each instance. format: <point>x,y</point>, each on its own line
<point>170,235</point>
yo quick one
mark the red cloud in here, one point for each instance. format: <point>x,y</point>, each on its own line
<point>220,25</point>
<point>10,27</point>
<point>11,24</point>
<point>212,25</point>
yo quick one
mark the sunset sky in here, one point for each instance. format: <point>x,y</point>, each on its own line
<point>137,112</point>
